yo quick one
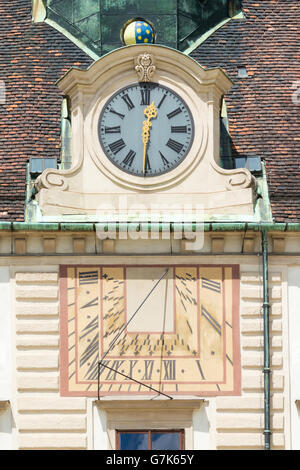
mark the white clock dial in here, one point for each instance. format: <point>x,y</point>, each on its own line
<point>146,129</point>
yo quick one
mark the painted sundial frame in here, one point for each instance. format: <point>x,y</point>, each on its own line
<point>205,361</point>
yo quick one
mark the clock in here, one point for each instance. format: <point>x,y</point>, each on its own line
<point>140,330</point>
<point>146,129</point>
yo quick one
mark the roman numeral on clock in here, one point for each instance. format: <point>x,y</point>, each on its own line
<point>128,101</point>
<point>174,145</point>
<point>179,129</point>
<point>116,146</point>
<point>145,97</point>
<point>116,113</point>
<point>161,101</point>
<point>165,161</point>
<point>174,113</point>
<point>129,158</point>
<point>112,130</point>
<point>147,166</point>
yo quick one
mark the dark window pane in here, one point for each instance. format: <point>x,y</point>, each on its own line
<point>36,165</point>
<point>166,441</point>
<point>133,441</point>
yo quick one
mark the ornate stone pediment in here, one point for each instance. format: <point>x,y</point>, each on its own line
<point>94,182</point>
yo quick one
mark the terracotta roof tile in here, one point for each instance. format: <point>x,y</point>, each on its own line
<point>262,109</point>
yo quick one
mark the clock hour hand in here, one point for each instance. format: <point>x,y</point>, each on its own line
<point>150,113</point>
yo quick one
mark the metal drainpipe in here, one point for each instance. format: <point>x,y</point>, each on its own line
<point>266,310</point>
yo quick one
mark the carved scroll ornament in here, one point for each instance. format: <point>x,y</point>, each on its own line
<point>145,67</point>
<point>236,179</point>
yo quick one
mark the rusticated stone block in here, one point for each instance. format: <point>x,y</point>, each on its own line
<point>249,244</point>
<point>108,246</point>
<point>20,246</point>
<point>278,244</point>
<point>49,245</point>
<point>217,244</point>
<point>79,245</point>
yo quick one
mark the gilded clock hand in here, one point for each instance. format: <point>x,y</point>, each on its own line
<point>151,113</point>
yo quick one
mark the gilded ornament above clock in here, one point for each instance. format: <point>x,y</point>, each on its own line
<point>146,129</point>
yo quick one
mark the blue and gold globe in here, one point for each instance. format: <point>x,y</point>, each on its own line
<point>138,32</point>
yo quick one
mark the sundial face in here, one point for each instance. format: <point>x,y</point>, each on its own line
<point>182,340</point>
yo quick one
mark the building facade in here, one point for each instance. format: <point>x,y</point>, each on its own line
<point>149,234</point>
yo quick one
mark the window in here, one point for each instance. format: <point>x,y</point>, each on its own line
<point>136,424</point>
<point>150,440</point>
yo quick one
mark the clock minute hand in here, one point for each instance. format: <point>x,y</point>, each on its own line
<point>151,113</point>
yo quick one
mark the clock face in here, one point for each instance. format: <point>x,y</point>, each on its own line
<point>146,129</point>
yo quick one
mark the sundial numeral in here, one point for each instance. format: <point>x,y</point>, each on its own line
<point>148,370</point>
<point>132,365</point>
<point>174,113</point>
<point>128,101</point>
<point>169,370</point>
<point>113,373</point>
<point>174,145</point>
<point>211,285</point>
<point>129,158</point>
<point>200,369</point>
<point>211,320</point>
<point>88,277</point>
<point>115,147</point>
<point>112,130</point>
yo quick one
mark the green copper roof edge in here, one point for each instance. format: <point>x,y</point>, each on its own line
<point>205,36</point>
<point>208,33</point>
<point>72,38</point>
<point>77,227</point>
<point>206,226</point>
<point>34,227</point>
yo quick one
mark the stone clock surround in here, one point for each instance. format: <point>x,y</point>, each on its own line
<point>94,181</point>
